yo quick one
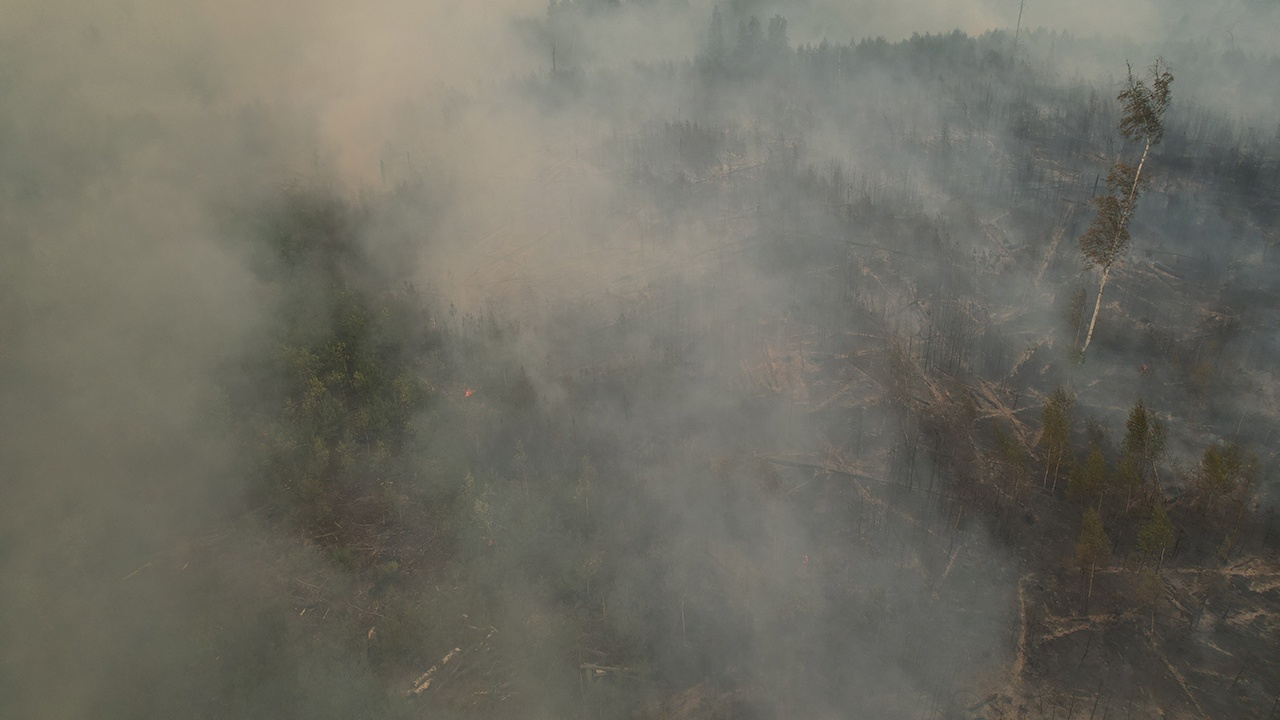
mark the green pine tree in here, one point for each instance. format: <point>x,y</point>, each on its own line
<point>1093,549</point>
<point>1155,536</point>
<point>1055,434</point>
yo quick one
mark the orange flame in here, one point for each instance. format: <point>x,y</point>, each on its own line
<point>468,392</point>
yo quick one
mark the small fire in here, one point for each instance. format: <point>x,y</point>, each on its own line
<point>467,392</point>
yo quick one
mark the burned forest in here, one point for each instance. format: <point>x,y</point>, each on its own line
<point>652,359</point>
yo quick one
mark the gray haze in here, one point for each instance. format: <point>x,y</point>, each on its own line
<point>575,209</point>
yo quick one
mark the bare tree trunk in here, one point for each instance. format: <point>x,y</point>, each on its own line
<point>1089,594</point>
<point>1018,31</point>
<point>1097,305</point>
<point>1133,190</point>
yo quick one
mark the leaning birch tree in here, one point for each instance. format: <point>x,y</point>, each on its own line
<point>1104,243</point>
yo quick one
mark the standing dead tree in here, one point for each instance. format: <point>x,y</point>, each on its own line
<point>1107,238</point>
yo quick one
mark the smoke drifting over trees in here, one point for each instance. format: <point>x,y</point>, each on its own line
<point>628,358</point>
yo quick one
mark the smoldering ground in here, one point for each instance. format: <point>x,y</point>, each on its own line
<point>634,259</point>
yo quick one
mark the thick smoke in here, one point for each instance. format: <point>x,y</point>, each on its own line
<point>686,272</point>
